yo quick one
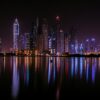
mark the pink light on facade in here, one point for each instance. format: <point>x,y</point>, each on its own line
<point>57,18</point>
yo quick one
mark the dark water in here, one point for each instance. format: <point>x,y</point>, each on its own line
<point>49,78</point>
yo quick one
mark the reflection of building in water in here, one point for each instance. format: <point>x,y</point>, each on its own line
<point>51,69</point>
<point>58,64</point>
<point>26,70</point>
<point>72,67</point>
<point>4,62</point>
<point>76,66</point>
<point>87,69</point>
<point>66,66</point>
<point>81,67</point>
<point>37,63</point>
<point>15,78</point>
<point>94,65</point>
<point>99,63</point>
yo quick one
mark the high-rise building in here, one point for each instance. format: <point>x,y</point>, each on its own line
<point>76,47</point>
<point>35,33</point>
<point>22,42</point>
<point>62,41</point>
<point>52,42</point>
<point>59,37</point>
<point>72,35</point>
<point>58,40</point>
<point>66,42</point>
<point>15,34</point>
<point>27,41</point>
<point>45,34</point>
<point>42,36</point>
<point>93,44</point>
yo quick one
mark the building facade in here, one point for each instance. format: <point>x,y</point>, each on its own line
<point>15,34</point>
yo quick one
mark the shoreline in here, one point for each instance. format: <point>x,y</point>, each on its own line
<point>69,55</point>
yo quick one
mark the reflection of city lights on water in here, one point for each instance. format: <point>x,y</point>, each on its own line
<point>58,64</point>
<point>94,65</point>
<point>99,63</point>
<point>57,93</point>
<point>81,67</point>
<point>87,69</point>
<point>15,79</point>
<point>54,69</point>
<point>72,67</point>
<point>76,66</point>
<point>66,66</point>
<point>26,71</point>
<point>4,62</point>
<point>49,70</point>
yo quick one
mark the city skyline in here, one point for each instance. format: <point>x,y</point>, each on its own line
<point>53,40</point>
<point>84,16</point>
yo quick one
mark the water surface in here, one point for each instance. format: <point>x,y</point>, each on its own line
<point>49,78</point>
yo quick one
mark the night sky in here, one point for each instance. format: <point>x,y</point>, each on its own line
<point>84,16</point>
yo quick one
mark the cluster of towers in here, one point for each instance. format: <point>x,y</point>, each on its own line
<point>44,38</point>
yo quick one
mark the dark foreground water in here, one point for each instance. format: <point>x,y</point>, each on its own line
<point>49,78</point>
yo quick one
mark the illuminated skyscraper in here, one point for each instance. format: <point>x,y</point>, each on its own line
<point>59,37</point>
<point>66,42</point>
<point>15,34</point>
<point>35,33</point>
<point>62,41</point>
<point>93,44</point>
<point>72,35</point>
<point>52,42</point>
<point>21,42</point>
<point>58,26</point>
<point>45,34</point>
<point>27,41</point>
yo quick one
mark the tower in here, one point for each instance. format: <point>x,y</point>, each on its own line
<point>62,41</point>
<point>72,37</point>
<point>58,34</point>
<point>59,37</point>
<point>52,42</point>
<point>15,34</point>
<point>45,34</point>
<point>35,33</point>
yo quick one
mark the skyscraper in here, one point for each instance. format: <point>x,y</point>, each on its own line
<point>59,36</point>
<point>22,42</point>
<point>35,33</point>
<point>27,41</point>
<point>66,42</point>
<point>72,36</point>
<point>58,26</point>
<point>15,34</point>
<point>52,42</point>
<point>45,34</point>
<point>62,41</point>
